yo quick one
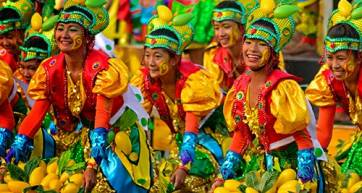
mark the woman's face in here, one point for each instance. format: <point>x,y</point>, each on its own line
<point>256,54</point>
<point>227,33</point>
<point>342,63</point>
<point>158,61</point>
<point>70,37</point>
<point>28,68</point>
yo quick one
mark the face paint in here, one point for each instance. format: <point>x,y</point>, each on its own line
<point>235,36</point>
<point>349,66</point>
<point>77,42</point>
<point>163,68</point>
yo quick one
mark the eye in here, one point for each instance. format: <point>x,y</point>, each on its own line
<point>248,42</point>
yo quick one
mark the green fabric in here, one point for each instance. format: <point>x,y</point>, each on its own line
<point>77,152</point>
<point>202,165</point>
<point>354,159</point>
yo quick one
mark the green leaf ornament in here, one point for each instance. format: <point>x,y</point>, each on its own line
<point>285,11</point>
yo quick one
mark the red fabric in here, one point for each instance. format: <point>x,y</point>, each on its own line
<point>325,125</point>
<point>309,40</point>
<point>265,117</point>
<point>33,120</point>
<point>57,90</point>
<point>192,123</point>
<point>9,59</point>
<point>103,112</point>
<point>303,140</point>
<point>241,139</point>
<point>224,60</point>
<point>6,116</point>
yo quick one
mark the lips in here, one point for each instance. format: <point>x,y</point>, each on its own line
<point>253,57</point>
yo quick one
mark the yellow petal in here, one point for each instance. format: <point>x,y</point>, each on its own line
<point>345,8</point>
<point>267,6</point>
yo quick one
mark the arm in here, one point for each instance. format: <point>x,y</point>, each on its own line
<point>33,120</point>
<point>325,125</point>
<point>190,138</point>
<point>6,116</point>
<point>99,135</point>
<point>233,160</point>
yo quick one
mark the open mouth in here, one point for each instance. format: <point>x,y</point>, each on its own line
<point>253,57</point>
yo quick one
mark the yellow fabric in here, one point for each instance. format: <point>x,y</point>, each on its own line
<point>355,109</point>
<point>212,67</point>
<point>137,80</point>
<point>200,94</point>
<point>76,95</point>
<point>228,106</point>
<point>38,86</point>
<point>6,81</point>
<point>289,107</point>
<point>318,91</point>
<point>141,170</point>
<point>113,81</point>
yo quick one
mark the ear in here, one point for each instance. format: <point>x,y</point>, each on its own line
<point>175,60</point>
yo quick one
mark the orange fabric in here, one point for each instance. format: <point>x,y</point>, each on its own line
<point>103,112</point>
<point>33,120</point>
<point>192,123</point>
<point>239,141</point>
<point>303,140</point>
<point>325,125</point>
<point>6,116</point>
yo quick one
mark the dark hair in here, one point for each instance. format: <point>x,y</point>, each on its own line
<point>343,30</point>
<point>165,32</point>
<point>229,4</point>
<point>36,42</point>
<point>265,24</point>
<point>8,13</point>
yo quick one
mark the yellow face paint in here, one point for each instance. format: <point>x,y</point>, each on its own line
<point>265,55</point>
<point>164,68</point>
<point>349,66</point>
<point>77,42</point>
<point>235,36</point>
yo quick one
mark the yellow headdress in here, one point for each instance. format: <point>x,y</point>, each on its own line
<point>168,31</point>
<point>88,13</point>
<point>15,14</point>
<point>350,14</point>
<point>277,14</point>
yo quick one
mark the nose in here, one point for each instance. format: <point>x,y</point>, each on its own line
<point>335,64</point>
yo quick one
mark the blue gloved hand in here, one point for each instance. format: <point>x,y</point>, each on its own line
<point>20,149</point>
<point>306,161</point>
<point>230,165</point>
<point>6,138</point>
<point>188,147</point>
<point>98,139</point>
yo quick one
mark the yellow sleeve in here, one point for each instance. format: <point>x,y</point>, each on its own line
<point>6,81</point>
<point>113,81</point>
<point>289,107</point>
<point>37,89</point>
<point>211,67</point>
<point>137,80</point>
<point>318,91</point>
<point>200,94</point>
<point>228,106</point>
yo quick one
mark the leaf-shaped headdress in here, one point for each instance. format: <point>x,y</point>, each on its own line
<point>168,31</point>
<point>88,13</point>
<point>277,14</point>
<point>229,10</point>
<point>350,14</point>
<point>15,14</point>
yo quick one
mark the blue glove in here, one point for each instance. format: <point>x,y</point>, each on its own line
<point>98,139</point>
<point>20,149</point>
<point>230,165</point>
<point>306,160</point>
<point>188,147</point>
<point>5,141</point>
